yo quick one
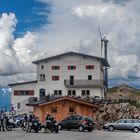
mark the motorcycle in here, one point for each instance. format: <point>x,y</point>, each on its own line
<point>52,126</point>
<point>34,125</point>
<point>15,123</point>
<point>10,124</point>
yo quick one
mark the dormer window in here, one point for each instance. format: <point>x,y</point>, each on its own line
<point>42,66</point>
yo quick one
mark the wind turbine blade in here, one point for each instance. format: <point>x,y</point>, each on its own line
<point>100,39</point>
<point>100,32</point>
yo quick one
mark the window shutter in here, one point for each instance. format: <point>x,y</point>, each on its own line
<point>92,66</point>
<point>16,92</point>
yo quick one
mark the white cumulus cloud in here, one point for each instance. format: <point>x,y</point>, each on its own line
<point>16,55</point>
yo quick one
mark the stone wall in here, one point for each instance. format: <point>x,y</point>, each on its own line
<point>113,112</point>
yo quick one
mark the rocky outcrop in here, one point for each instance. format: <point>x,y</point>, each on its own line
<point>113,112</point>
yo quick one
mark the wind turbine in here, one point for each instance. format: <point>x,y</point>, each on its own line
<point>104,42</point>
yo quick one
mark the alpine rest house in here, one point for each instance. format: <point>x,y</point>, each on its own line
<point>69,74</point>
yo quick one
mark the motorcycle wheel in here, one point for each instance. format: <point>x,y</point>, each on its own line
<point>36,130</point>
<point>25,126</point>
<point>9,127</point>
<point>56,130</point>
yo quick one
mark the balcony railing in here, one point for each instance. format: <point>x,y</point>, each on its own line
<point>84,83</point>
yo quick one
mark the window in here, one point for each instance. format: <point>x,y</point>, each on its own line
<point>71,67</point>
<point>58,92</point>
<point>71,80</point>
<point>120,121</point>
<point>55,78</point>
<point>89,67</point>
<point>41,93</point>
<point>54,109</point>
<point>71,109</point>
<point>55,67</point>
<point>71,93</point>
<point>85,93</point>
<point>55,92</point>
<point>89,77</point>
<point>23,92</point>
<point>42,66</point>
<point>130,121</point>
<point>42,77</point>
<point>18,105</point>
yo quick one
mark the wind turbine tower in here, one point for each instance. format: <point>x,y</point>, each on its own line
<point>105,56</point>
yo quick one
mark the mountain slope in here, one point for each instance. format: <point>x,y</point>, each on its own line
<point>124,91</point>
<point>131,81</point>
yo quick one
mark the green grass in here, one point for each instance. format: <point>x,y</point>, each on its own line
<point>136,104</point>
<point>137,92</point>
<point>113,89</point>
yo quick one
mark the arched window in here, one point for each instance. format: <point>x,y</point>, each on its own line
<point>41,93</point>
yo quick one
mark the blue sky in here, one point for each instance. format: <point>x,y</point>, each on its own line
<point>34,29</point>
<point>26,12</point>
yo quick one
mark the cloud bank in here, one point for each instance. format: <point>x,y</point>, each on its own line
<point>16,55</point>
<point>73,26</point>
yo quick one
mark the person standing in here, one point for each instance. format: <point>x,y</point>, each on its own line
<point>48,121</point>
<point>2,120</point>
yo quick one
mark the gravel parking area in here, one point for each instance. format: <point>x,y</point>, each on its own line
<point>18,134</point>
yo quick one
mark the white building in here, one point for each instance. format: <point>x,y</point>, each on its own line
<point>71,74</point>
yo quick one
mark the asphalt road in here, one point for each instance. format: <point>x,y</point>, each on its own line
<point>18,134</point>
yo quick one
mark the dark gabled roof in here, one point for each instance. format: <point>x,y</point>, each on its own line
<point>10,85</point>
<point>103,61</point>
<point>53,100</point>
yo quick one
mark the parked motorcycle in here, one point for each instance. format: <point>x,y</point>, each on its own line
<point>52,126</point>
<point>34,125</point>
<point>14,122</point>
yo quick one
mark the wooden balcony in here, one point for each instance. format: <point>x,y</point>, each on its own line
<point>84,83</point>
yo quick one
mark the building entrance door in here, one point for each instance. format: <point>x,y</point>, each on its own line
<point>41,93</point>
<point>71,80</point>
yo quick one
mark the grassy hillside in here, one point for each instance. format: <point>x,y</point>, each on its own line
<point>124,91</point>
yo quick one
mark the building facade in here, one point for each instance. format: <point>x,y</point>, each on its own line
<point>71,74</point>
<point>63,107</point>
<point>68,74</point>
<point>22,93</point>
